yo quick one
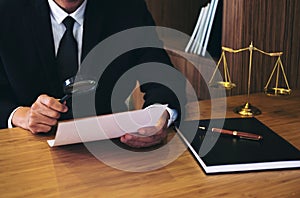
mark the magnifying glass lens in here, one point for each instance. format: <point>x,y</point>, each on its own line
<point>79,87</point>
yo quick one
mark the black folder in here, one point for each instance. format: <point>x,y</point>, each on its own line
<point>233,154</point>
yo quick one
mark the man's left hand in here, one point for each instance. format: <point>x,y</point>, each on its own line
<point>148,136</point>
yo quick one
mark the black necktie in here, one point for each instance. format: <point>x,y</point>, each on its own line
<point>67,55</point>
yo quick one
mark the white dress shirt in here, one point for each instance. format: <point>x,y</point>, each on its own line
<point>57,15</point>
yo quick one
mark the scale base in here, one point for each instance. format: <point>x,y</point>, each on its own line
<point>247,110</point>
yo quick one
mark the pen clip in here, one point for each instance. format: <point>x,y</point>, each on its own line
<point>202,128</point>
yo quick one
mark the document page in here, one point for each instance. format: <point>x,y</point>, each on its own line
<point>106,126</point>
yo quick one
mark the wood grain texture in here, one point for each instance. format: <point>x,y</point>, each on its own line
<point>29,168</point>
<point>273,26</point>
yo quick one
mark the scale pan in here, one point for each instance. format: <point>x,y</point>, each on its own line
<point>278,91</point>
<point>221,84</point>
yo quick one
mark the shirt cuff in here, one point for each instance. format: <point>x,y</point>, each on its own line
<point>173,115</point>
<point>172,112</point>
<point>9,122</point>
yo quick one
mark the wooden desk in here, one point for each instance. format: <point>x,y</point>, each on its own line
<point>29,168</point>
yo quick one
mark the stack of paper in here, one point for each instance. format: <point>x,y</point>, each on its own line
<point>200,37</point>
<point>106,126</point>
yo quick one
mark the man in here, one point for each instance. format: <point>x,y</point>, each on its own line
<point>30,39</point>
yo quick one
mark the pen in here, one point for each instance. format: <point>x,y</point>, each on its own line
<point>239,134</point>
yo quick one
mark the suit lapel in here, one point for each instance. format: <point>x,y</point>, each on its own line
<point>38,19</point>
<point>93,26</point>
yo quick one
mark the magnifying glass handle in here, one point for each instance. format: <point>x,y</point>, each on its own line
<point>66,97</point>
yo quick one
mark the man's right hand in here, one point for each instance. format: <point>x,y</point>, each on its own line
<point>41,116</point>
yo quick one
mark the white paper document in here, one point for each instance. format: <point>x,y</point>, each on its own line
<point>106,126</point>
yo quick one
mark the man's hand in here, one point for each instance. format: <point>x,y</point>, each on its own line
<point>41,116</point>
<point>148,136</point>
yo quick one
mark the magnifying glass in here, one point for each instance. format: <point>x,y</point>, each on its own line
<point>77,87</point>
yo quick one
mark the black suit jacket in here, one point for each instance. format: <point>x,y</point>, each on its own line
<point>27,59</point>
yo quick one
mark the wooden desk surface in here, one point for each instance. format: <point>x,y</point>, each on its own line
<point>29,168</point>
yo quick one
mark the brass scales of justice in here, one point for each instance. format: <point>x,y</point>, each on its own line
<point>247,109</point>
